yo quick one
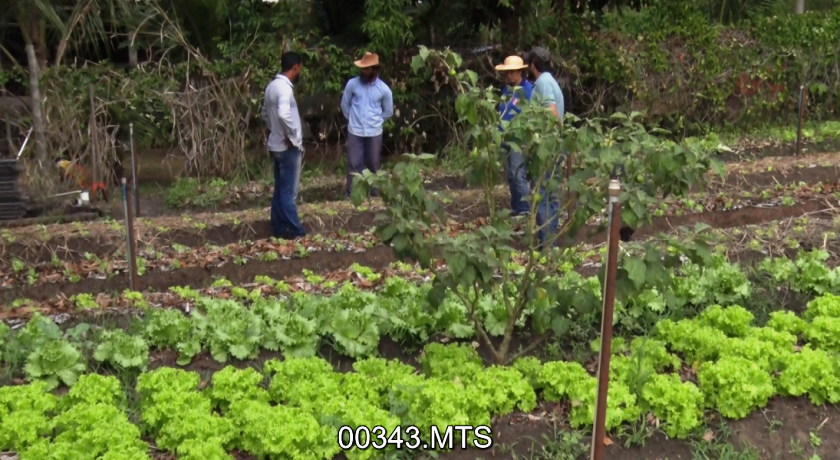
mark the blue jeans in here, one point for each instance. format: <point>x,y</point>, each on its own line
<point>549,205</point>
<point>516,172</point>
<point>284,215</point>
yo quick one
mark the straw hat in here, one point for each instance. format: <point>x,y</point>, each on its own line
<point>512,63</point>
<point>369,60</point>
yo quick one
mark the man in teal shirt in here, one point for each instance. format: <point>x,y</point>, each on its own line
<point>547,92</point>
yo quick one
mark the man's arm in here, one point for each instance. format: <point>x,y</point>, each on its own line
<point>347,98</point>
<point>546,97</point>
<point>284,114</point>
<point>387,103</point>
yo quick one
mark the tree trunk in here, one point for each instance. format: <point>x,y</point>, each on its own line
<point>37,116</point>
<point>800,6</point>
<point>6,117</point>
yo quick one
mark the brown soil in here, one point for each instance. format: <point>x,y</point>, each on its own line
<point>377,257</point>
<point>73,248</point>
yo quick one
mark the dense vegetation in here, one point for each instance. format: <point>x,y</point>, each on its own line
<point>688,65</point>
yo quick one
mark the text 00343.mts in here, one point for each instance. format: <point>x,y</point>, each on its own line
<point>409,437</point>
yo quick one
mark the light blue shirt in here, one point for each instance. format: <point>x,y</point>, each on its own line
<point>549,92</point>
<point>366,106</point>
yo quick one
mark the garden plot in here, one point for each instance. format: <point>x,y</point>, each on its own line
<point>240,326</point>
<point>240,343</point>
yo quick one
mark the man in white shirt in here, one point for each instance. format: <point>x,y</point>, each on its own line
<point>285,145</point>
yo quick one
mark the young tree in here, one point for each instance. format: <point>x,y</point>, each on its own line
<point>485,263</point>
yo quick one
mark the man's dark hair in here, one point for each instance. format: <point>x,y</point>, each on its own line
<point>289,60</point>
<point>540,64</point>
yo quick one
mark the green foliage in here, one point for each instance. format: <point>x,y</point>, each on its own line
<point>827,305</point>
<point>720,282</point>
<point>387,25</point>
<point>807,274</point>
<point>786,321</point>
<point>734,321</point>
<point>231,384</point>
<point>295,332</point>
<point>815,372</point>
<point>735,386</point>
<point>96,389</point>
<point>452,361</point>
<point>24,415</point>
<point>55,361</point>
<point>679,404</point>
<point>472,259</point>
<point>122,349</point>
<point>228,329</point>
<point>695,341</point>
<point>824,332</point>
<point>281,432</point>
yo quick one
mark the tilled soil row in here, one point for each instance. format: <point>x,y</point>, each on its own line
<point>378,257</point>
<point>73,241</point>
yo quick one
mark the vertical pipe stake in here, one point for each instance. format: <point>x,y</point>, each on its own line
<point>134,172</point>
<point>129,234</point>
<point>599,429</point>
<point>799,125</point>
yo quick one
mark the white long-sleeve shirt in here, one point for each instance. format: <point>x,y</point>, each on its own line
<point>280,112</point>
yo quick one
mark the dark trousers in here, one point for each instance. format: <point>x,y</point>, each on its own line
<point>362,153</point>
<point>284,215</point>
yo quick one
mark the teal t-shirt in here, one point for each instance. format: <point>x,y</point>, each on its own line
<point>549,92</point>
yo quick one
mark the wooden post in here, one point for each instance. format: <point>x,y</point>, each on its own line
<point>599,430</point>
<point>37,115</point>
<point>800,6</point>
<point>92,138</point>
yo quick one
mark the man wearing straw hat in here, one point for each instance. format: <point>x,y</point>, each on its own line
<point>367,102</point>
<point>518,90</point>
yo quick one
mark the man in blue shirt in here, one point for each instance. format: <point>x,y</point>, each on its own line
<point>549,94</point>
<point>367,102</point>
<point>517,90</point>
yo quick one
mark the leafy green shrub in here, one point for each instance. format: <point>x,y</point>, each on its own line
<point>824,332</point>
<point>25,412</point>
<point>679,404</point>
<point>721,283</point>
<point>815,372</point>
<point>286,330</point>
<point>506,388</point>
<point>307,383</point>
<point>96,389</point>
<point>122,349</point>
<point>734,321</point>
<point>765,354</point>
<point>450,361</point>
<point>786,321</point>
<point>229,329</point>
<point>231,384</point>
<point>281,432</point>
<point>825,305</point>
<point>695,341</point>
<point>99,429</point>
<point>55,361</point>
<point>735,386</point>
